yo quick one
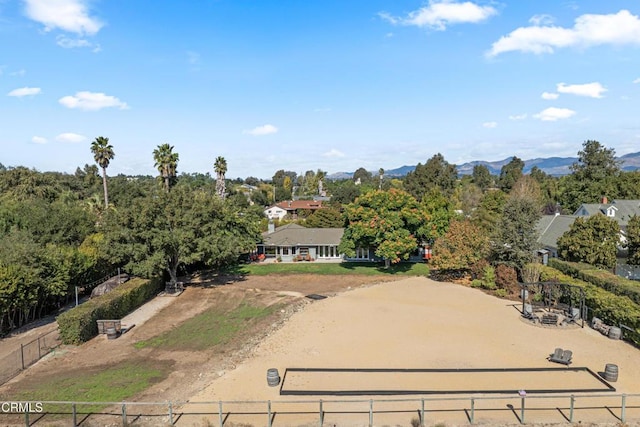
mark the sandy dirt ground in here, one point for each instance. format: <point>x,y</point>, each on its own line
<point>366,322</point>
<point>419,323</point>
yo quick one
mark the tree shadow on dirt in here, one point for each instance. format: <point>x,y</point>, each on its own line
<point>212,278</point>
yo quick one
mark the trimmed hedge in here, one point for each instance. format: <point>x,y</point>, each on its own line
<point>79,324</point>
<point>602,278</point>
<point>612,309</point>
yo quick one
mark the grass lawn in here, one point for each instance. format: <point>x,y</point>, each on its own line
<point>107,384</point>
<point>210,328</point>
<point>369,269</point>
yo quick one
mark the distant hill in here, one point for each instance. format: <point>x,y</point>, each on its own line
<point>557,166</point>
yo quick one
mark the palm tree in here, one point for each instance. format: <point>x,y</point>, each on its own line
<point>220,167</point>
<point>381,176</point>
<point>103,153</point>
<point>166,161</point>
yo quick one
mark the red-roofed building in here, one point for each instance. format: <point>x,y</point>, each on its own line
<point>291,208</point>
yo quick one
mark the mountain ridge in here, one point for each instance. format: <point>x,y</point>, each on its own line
<point>556,166</point>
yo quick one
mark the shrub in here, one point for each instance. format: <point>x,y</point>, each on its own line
<point>489,277</point>
<point>477,283</point>
<point>501,293</point>
<point>507,278</point>
<point>79,324</point>
<point>477,269</point>
<point>601,278</point>
<point>531,272</point>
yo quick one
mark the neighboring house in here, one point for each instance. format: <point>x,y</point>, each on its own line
<point>550,229</point>
<point>291,208</point>
<point>619,210</point>
<point>293,242</point>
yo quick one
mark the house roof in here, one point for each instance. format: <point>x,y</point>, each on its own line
<point>551,227</point>
<point>624,210</point>
<point>292,205</point>
<point>297,235</point>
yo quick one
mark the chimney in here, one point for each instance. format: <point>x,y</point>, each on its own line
<point>271,227</point>
<point>605,200</point>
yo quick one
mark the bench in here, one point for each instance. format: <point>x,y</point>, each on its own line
<point>103,325</point>
<point>549,319</point>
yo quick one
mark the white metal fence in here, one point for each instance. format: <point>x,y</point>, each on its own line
<point>508,409</point>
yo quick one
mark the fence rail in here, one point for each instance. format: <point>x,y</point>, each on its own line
<point>28,354</point>
<point>518,408</point>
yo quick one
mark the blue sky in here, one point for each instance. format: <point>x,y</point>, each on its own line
<point>315,84</point>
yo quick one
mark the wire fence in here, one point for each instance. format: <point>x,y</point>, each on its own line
<point>515,408</point>
<point>28,354</point>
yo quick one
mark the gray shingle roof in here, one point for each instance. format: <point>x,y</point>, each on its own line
<point>297,235</point>
<point>551,227</point>
<point>624,210</point>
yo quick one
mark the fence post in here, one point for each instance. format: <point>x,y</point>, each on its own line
<point>571,405</point>
<point>623,409</point>
<point>22,355</point>
<point>522,410</point>
<point>321,414</point>
<point>170,413</point>
<point>422,423</point>
<point>220,420</point>
<point>124,414</point>
<point>26,419</point>
<point>269,413</point>
<point>74,414</point>
<point>473,411</point>
<point>39,350</point>
<point>370,412</point>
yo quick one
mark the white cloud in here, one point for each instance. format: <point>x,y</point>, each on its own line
<point>322,110</point>
<point>71,43</point>
<point>70,137</point>
<point>441,13</point>
<point>518,117</point>
<point>67,15</point>
<point>636,81</point>
<point>18,73</point>
<point>333,153</point>
<point>592,90</point>
<point>261,130</point>
<point>92,101</point>
<point>549,95</point>
<point>39,140</point>
<point>588,30</point>
<point>543,19</point>
<point>25,91</point>
<point>490,125</point>
<point>552,114</point>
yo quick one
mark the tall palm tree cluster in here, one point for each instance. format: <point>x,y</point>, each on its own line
<point>166,161</point>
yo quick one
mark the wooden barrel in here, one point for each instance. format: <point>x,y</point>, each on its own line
<point>273,377</point>
<point>611,372</point>
<point>112,333</point>
<point>615,333</point>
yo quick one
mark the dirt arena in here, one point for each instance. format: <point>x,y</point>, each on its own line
<point>421,324</point>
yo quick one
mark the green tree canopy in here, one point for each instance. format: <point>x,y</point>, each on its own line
<point>593,241</point>
<point>515,236</point>
<point>167,230</point>
<point>435,173</point>
<point>463,245</point>
<point>594,175</point>
<point>482,177</point>
<point>387,221</point>
<point>510,174</point>
<point>325,218</point>
<point>633,240</point>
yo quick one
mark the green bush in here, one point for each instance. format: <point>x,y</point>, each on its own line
<point>477,283</point>
<point>79,324</point>
<point>601,278</point>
